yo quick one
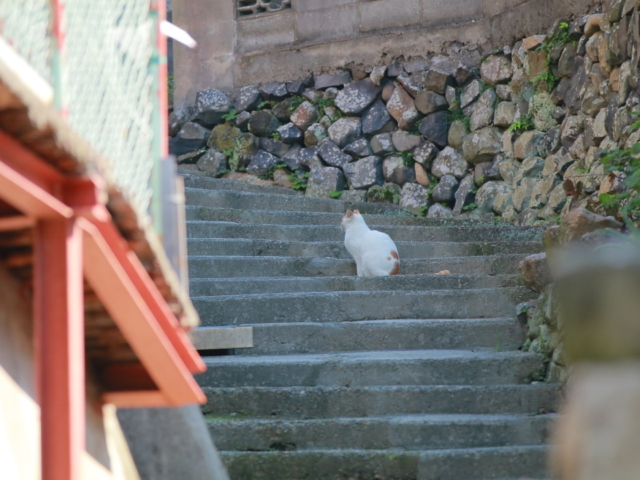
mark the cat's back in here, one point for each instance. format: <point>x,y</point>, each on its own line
<point>380,239</point>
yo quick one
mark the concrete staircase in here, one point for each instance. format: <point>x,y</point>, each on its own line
<point>407,377</point>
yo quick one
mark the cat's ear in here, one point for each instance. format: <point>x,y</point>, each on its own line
<point>357,212</point>
<point>349,214</point>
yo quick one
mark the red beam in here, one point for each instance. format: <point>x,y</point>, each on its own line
<point>141,398</point>
<point>16,222</point>
<point>135,320</point>
<point>152,297</point>
<point>28,184</point>
<point>59,341</point>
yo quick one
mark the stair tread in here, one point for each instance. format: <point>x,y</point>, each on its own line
<point>432,418</point>
<point>369,356</point>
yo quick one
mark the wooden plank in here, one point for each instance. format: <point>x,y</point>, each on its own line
<point>221,338</point>
<point>59,342</point>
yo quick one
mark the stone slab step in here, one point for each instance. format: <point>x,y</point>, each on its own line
<point>227,266</point>
<point>359,369</point>
<point>282,248</point>
<point>268,201</point>
<point>407,432</point>
<point>203,287</point>
<point>329,402</point>
<point>326,233</point>
<point>456,464</point>
<point>275,217</point>
<point>499,334</point>
<point>353,306</point>
<point>209,183</point>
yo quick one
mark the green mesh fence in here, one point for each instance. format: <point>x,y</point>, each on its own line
<point>108,87</point>
<point>25,25</point>
<point>104,79</point>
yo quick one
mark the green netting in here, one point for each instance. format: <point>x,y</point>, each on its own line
<point>108,87</point>
<point>25,25</point>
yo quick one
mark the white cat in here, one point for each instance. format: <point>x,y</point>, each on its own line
<point>374,252</point>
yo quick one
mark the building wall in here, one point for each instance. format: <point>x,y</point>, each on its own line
<point>313,35</point>
<point>107,456</point>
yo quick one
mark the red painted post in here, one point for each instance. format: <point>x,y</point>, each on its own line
<point>59,342</point>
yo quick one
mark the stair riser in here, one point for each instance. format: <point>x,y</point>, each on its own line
<point>353,306</point>
<point>410,433</point>
<point>406,250</point>
<point>301,403</point>
<point>288,203</point>
<point>322,233</point>
<point>271,339</point>
<point>237,267</point>
<point>240,286</point>
<point>274,217</point>
<point>493,370</point>
<point>483,464</point>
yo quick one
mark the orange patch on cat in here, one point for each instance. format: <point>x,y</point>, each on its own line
<point>396,268</point>
<point>389,258</point>
<point>444,272</point>
<point>394,254</point>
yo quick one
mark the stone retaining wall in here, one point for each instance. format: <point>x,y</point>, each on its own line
<point>237,48</point>
<point>513,133</point>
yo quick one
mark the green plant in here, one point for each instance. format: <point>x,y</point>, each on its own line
<point>625,205</point>
<point>423,211</point>
<point>321,103</point>
<point>270,172</point>
<point>233,155</point>
<point>470,207</point>
<point>523,125</point>
<point>267,104</point>
<point>298,182</point>
<point>231,116</point>
<point>170,88</point>
<point>336,194</point>
<point>456,114</point>
<point>407,159</point>
<point>560,37</point>
<point>545,80</point>
<point>416,128</point>
<point>276,136</point>
<point>295,102</point>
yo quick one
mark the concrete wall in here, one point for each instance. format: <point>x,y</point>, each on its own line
<point>107,456</point>
<point>322,34</point>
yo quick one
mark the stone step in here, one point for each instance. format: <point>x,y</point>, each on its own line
<point>359,369</point>
<point>262,201</point>
<point>281,248</point>
<point>329,402</point>
<point>325,233</point>
<point>455,464</point>
<point>406,432</point>
<point>226,266</point>
<point>499,334</point>
<point>330,307</point>
<point>209,183</point>
<point>274,217</point>
<point>204,287</point>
